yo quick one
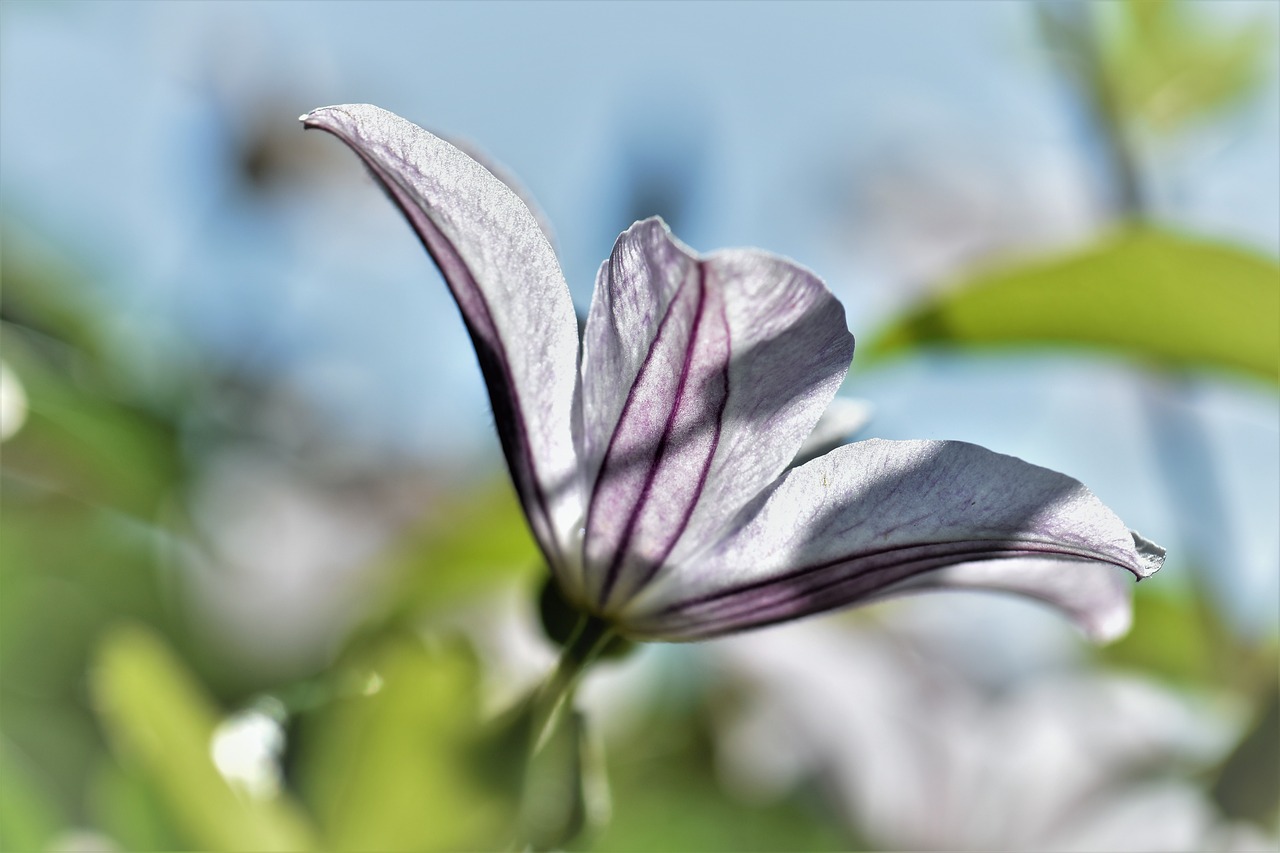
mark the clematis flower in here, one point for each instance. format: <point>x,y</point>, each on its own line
<point>657,460</point>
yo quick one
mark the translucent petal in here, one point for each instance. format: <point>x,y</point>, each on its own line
<point>868,518</point>
<point>508,285</point>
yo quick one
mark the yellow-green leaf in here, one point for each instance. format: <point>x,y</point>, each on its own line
<point>1146,293</point>
<point>476,541</point>
<point>1169,66</point>
<point>29,815</point>
<point>159,718</point>
<point>394,766</point>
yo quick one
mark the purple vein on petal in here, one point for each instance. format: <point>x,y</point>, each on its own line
<point>656,464</point>
<point>820,587</point>
<point>870,518</point>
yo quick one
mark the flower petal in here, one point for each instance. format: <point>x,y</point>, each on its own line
<point>508,285</point>
<point>867,518</point>
<point>700,379</point>
<point>1093,595</point>
<point>841,420</point>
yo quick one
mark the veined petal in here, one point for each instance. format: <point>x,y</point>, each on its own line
<point>508,285</point>
<point>867,518</point>
<point>700,379</point>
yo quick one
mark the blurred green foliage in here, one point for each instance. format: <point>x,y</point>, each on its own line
<point>156,715</point>
<point>1167,68</point>
<point>1247,786</point>
<point>30,814</point>
<point>473,543</point>
<point>1162,298</point>
<point>667,795</point>
<point>395,764</point>
<point>553,810</point>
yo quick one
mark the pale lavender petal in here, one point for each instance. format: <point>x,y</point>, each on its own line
<point>865,519</point>
<point>700,379</point>
<point>502,173</point>
<point>1094,595</point>
<point>509,288</point>
<point>841,420</point>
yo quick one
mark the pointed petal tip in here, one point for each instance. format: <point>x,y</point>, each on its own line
<point>1150,555</point>
<point>331,118</point>
<point>310,118</point>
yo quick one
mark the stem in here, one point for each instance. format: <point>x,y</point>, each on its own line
<point>1073,28</point>
<point>552,810</point>
<point>1112,124</point>
<point>588,638</point>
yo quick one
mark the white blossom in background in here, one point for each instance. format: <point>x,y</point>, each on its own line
<point>919,756</point>
<point>246,748</point>
<point>13,403</point>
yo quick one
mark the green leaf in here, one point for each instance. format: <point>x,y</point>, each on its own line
<point>1248,786</point>
<point>158,717</point>
<point>1145,293</point>
<point>1168,67</point>
<point>29,814</point>
<point>394,766</point>
<point>82,441</point>
<point>474,542</point>
<point>126,805</point>
<point>553,810</point>
<point>668,794</point>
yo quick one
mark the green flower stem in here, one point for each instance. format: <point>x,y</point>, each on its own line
<point>552,808</point>
<point>589,637</point>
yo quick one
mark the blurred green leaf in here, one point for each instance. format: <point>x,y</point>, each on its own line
<point>1169,637</point>
<point>67,569</point>
<point>1146,293</point>
<point>668,794</point>
<point>42,292</point>
<point>394,766</point>
<point>471,544</point>
<point>157,716</point>
<point>29,814</point>
<point>81,439</point>
<point>1248,786</point>
<point>553,808</point>
<point>125,804</point>
<point>1167,67</point>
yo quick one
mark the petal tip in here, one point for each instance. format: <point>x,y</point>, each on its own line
<point>333,117</point>
<point>312,118</point>
<point>1150,555</point>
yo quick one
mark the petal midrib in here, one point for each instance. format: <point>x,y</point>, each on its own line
<point>614,571</point>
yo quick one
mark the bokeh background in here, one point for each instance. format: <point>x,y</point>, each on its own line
<point>264,584</point>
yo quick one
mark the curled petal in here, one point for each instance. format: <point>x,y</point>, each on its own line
<point>508,285</point>
<point>868,518</point>
<point>1093,595</point>
<point>700,379</point>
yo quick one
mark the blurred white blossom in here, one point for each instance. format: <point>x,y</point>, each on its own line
<point>13,403</point>
<point>918,756</point>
